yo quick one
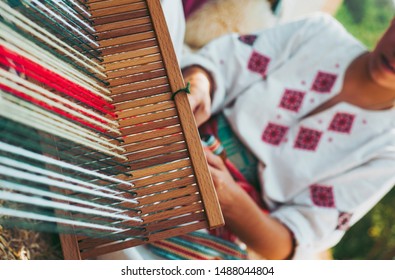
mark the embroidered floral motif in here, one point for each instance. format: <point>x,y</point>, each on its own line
<point>258,63</point>
<point>274,133</point>
<point>248,39</point>
<point>323,82</point>
<point>292,100</point>
<point>343,222</point>
<point>342,122</point>
<point>322,196</point>
<point>308,139</point>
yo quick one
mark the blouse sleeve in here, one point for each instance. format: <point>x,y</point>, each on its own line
<point>238,61</point>
<point>319,216</point>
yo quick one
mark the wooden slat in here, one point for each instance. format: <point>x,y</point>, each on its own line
<point>143,101</point>
<point>166,224</point>
<point>160,150</point>
<point>97,251</point>
<point>141,93</point>
<point>121,73</point>
<point>147,136</point>
<point>152,126</point>
<point>138,78</point>
<point>123,32</point>
<point>118,9</point>
<point>162,178</point>
<point>166,186</point>
<point>132,62</point>
<point>128,47</point>
<point>91,243</point>
<point>203,177</point>
<point>167,195</point>
<point>178,231</point>
<point>153,143</point>
<point>127,39</point>
<point>123,24</point>
<point>160,159</point>
<point>139,86</point>
<point>159,169</point>
<point>173,213</point>
<point>129,231</point>
<point>172,204</point>
<point>100,4</point>
<point>90,247</point>
<point>146,109</point>
<point>149,117</point>
<point>171,223</point>
<point>130,54</point>
<point>86,243</point>
<point>120,17</point>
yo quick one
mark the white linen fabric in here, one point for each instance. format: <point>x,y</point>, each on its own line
<point>175,20</point>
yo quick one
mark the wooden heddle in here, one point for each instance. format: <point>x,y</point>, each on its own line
<point>92,143</point>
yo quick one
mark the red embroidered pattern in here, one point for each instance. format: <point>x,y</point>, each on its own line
<point>292,100</point>
<point>324,82</point>
<point>308,139</point>
<point>322,196</point>
<point>248,39</point>
<point>274,133</point>
<point>258,63</point>
<point>342,122</point>
<point>343,222</point>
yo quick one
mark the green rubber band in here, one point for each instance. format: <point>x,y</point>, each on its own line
<point>187,90</point>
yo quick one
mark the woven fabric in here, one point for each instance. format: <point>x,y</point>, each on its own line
<point>197,246</point>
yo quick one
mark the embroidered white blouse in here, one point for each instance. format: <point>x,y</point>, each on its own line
<point>323,172</point>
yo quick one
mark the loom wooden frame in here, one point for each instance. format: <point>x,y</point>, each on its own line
<point>159,56</point>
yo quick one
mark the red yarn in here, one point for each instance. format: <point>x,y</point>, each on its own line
<point>61,84</point>
<point>51,108</point>
<point>88,114</point>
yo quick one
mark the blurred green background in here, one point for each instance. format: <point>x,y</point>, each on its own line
<point>373,237</point>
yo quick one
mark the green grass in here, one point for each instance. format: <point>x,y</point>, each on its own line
<point>375,17</point>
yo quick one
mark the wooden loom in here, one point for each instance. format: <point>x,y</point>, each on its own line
<point>159,137</point>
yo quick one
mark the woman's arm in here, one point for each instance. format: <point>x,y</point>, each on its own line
<point>262,233</point>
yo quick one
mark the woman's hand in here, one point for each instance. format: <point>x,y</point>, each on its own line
<point>199,99</point>
<point>228,191</point>
<point>259,231</point>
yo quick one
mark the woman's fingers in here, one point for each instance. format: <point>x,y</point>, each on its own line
<point>214,160</point>
<point>201,113</point>
<point>217,177</point>
<point>200,103</point>
<point>199,99</point>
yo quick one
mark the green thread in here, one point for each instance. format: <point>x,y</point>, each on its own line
<point>81,15</point>
<point>27,138</point>
<point>70,19</point>
<point>62,31</point>
<point>187,90</point>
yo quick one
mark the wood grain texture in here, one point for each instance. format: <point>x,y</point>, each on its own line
<point>210,200</point>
